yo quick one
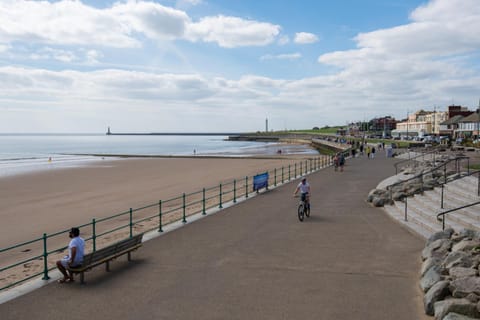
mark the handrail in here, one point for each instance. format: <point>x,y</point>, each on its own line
<point>426,172</point>
<point>471,173</point>
<point>421,155</point>
<point>452,210</point>
<point>420,176</point>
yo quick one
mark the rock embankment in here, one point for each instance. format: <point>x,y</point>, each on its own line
<point>450,275</point>
<point>411,181</point>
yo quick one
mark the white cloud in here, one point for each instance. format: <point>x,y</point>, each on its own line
<point>286,56</point>
<point>151,19</point>
<point>63,22</point>
<point>70,22</point>
<point>92,57</point>
<point>305,38</point>
<point>440,28</point>
<point>429,61</point>
<point>418,64</point>
<point>231,32</point>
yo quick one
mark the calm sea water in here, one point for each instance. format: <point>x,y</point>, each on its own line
<point>26,153</point>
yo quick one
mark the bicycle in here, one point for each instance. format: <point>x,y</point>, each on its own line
<point>303,208</point>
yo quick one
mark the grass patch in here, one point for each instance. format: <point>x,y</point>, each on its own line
<point>474,166</point>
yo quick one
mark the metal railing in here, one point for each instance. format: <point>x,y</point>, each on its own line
<point>35,258</point>
<point>442,215</point>
<point>433,152</point>
<point>470,173</point>
<point>420,178</point>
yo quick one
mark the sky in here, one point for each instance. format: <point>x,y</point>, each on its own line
<point>81,66</point>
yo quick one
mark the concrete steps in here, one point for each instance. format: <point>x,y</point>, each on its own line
<point>422,209</point>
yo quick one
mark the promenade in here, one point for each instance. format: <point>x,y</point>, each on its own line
<point>255,260</point>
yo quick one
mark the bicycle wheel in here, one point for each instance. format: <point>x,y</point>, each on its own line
<point>300,212</point>
<point>307,211</point>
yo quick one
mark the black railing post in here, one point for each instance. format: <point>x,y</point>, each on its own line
<point>45,255</point>
<point>131,222</point>
<point>445,173</point>
<point>478,184</point>
<point>160,216</point>
<point>443,187</point>
<point>275,177</point>
<point>94,235</point>
<point>184,207</point>
<point>234,191</point>
<point>406,208</point>
<point>204,212</point>
<point>220,197</point>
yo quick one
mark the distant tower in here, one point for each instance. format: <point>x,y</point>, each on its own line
<point>266,125</point>
<point>108,131</point>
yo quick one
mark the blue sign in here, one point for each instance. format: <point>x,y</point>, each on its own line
<point>260,181</point>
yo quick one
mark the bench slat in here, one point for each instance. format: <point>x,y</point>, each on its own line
<point>106,254</point>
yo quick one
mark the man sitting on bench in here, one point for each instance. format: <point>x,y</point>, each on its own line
<point>74,258</point>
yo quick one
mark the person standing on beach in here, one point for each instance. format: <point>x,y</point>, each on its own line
<point>74,258</point>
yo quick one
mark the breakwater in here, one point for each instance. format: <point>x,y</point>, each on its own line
<point>172,134</point>
<point>323,143</point>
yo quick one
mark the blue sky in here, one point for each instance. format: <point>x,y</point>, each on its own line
<point>211,65</point>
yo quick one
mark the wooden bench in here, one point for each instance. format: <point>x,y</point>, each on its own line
<point>107,254</point>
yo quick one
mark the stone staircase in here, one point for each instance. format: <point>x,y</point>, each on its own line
<point>422,209</point>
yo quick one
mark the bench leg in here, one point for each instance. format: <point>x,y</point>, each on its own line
<point>82,278</point>
<point>129,256</point>
<point>107,266</point>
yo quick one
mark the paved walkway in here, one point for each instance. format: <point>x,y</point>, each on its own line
<point>255,260</point>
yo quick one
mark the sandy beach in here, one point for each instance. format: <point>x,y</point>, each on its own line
<point>55,199</point>
<point>50,201</point>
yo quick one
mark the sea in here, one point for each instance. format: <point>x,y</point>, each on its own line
<point>24,153</point>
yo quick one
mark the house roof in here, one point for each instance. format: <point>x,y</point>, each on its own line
<point>453,120</point>
<point>474,117</point>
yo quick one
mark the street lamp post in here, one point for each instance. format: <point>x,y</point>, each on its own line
<point>478,122</point>
<point>407,125</point>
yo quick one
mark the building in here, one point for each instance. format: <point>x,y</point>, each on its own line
<point>414,126</point>
<point>421,123</point>
<point>457,111</point>
<point>435,118</point>
<point>449,127</point>
<point>469,127</point>
<point>383,126</point>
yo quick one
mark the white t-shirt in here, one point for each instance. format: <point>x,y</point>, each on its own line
<point>78,243</point>
<point>304,188</point>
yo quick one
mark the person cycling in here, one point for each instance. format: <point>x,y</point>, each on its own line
<point>304,188</point>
